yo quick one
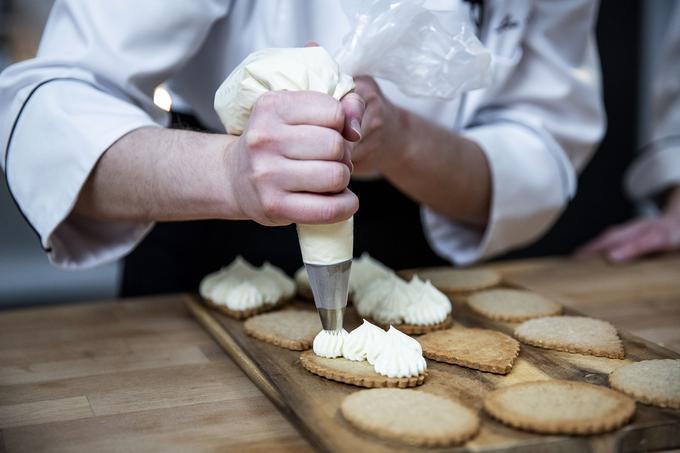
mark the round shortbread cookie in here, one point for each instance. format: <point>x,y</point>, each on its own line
<point>361,374</point>
<point>572,334</point>
<point>655,382</point>
<point>512,305</point>
<point>244,314</point>
<point>290,329</point>
<point>560,407</point>
<point>416,329</point>
<point>410,416</point>
<point>461,281</point>
<point>480,349</point>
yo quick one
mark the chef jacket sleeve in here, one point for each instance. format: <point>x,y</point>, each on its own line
<point>537,125</point>
<point>658,168</point>
<point>91,82</point>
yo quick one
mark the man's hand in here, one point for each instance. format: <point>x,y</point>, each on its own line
<point>382,130</point>
<point>293,162</point>
<point>639,237</point>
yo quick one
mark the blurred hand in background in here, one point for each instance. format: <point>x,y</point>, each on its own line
<point>640,236</point>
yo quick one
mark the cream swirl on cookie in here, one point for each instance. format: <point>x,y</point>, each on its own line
<point>243,296</point>
<point>364,342</point>
<point>394,301</point>
<point>385,300</point>
<point>365,270</point>
<point>242,286</point>
<point>399,356</point>
<point>328,343</point>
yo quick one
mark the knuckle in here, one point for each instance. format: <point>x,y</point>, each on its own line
<point>272,207</point>
<point>377,123</point>
<point>259,138</point>
<point>338,177</point>
<point>262,173</point>
<point>328,212</point>
<point>337,115</point>
<point>336,146</point>
<point>267,102</point>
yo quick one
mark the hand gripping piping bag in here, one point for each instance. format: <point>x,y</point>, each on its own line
<point>425,53</point>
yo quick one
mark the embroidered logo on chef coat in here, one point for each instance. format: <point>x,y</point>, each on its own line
<point>507,23</point>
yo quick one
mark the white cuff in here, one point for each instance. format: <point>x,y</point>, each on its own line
<point>62,132</point>
<point>653,172</point>
<point>530,187</point>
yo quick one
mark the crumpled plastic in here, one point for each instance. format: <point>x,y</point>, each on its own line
<point>425,53</point>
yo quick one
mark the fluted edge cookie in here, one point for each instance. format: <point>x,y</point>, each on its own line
<point>350,372</point>
<point>479,349</point>
<point>417,329</point>
<point>461,281</point>
<point>512,305</point>
<point>289,329</point>
<point>655,382</point>
<point>411,417</point>
<point>244,314</point>
<point>560,407</point>
<point>578,334</point>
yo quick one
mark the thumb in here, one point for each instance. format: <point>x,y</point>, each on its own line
<point>354,106</point>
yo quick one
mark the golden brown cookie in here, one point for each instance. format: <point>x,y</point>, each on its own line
<point>572,334</point>
<point>360,374</point>
<point>655,382</point>
<point>560,407</point>
<point>415,329</point>
<point>410,416</point>
<point>480,349</point>
<point>244,314</point>
<point>461,281</point>
<point>512,305</point>
<point>290,329</point>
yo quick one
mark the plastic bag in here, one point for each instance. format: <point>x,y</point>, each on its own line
<point>423,52</point>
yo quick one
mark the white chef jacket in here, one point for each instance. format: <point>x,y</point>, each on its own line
<point>99,62</point>
<point>658,168</point>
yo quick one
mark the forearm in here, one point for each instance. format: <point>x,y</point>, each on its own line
<point>154,174</point>
<point>441,170</point>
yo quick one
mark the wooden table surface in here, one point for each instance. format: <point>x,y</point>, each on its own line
<point>142,375</point>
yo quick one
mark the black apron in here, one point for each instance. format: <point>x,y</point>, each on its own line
<point>176,255</point>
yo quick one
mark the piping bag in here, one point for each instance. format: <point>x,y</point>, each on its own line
<point>422,52</point>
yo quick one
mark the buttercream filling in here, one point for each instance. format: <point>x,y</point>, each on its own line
<point>242,286</point>
<point>328,343</point>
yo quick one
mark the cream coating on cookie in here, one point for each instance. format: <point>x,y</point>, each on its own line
<point>328,343</point>
<point>242,286</point>
<point>365,270</point>
<point>392,300</point>
<point>364,343</point>
<point>399,357</point>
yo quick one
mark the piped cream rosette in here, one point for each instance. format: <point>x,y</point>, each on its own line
<point>392,353</point>
<point>365,270</point>
<point>241,286</point>
<point>392,300</point>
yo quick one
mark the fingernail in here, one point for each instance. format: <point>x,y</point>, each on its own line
<point>351,167</point>
<point>355,126</point>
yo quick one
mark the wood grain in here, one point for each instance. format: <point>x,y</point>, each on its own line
<point>127,376</point>
<point>154,380</point>
<point>312,403</point>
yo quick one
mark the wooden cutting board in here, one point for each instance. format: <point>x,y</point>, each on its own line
<point>311,403</point>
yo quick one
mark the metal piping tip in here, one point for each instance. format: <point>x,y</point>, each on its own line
<point>330,284</point>
<point>331,319</point>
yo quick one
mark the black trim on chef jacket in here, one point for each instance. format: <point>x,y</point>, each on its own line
<point>9,143</point>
